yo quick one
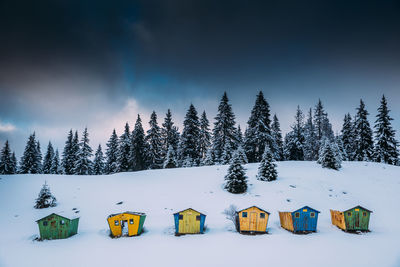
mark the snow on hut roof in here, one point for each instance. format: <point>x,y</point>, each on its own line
<point>189,209</point>
<point>253,207</point>
<point>67,214</point>
<point>128,212</point>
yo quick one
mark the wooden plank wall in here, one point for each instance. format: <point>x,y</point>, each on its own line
<point>286,220</point>
<point>337,218</point>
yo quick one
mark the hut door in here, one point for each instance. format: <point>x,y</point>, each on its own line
<point>53,229</point>
<point>253,221</point>
<point>356,219</point>
<point>306,221</point>
<point>124,226</point>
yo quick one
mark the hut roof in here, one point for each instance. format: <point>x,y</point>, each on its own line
<point>129,212</point>
<point>65,215</point>
<point>358,206</point>
<point>253,207</point>
<point>307,207</point>
<point>189,209</point>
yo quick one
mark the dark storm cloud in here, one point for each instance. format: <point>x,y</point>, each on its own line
<point>68,63</point>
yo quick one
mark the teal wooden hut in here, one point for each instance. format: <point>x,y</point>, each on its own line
<point>55,226</point>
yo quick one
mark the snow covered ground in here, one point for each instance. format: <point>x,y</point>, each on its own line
<point>160,193</point>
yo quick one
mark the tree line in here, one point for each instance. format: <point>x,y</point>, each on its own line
<point>310,138</point>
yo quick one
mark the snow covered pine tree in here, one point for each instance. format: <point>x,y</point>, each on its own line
<point>236,180</point>
<point>45,198</point>
<point>267,169</point>
<point>329,158</point>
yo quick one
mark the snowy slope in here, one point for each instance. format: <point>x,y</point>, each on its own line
<point>159,193</point>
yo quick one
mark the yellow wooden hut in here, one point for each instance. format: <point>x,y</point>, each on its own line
<point>126,223</point>
<point>189,221</point>
<point>252,220</point>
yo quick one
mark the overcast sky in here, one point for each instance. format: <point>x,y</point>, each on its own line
<point>71,64</point>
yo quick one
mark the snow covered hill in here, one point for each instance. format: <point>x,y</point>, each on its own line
<point>160,193</point>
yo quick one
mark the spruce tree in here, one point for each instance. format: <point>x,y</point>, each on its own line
<point>45,198</point>
<point>55,165</point>
<point>310,139</point>
<point>169,134</point>
<point>139,147</point>
<point>68,157</point>
<point>189,150</point>
<point>124,150</point>
<point>277,139</point>
<point>30,160</point>
<point>242,155</point>
<point>267,168</point>
<point>14,164</point>
<point>39,157</point>
<point>224,132</point>
<point>294,140</point>
<point>348,137</point>
<point>239,136</point>
<point>6,160</point>
<point>170,159</point>
<point>258,132</point>
<point>98,162</point>
<point>75,150</point>
<point>205,136</point>
<point>112,154</point>
<point>48,159</point>
<point>363,135</point>
<point>385,142</point>
<point>328,157</point>
<point>323,128</point>
<point>153,139</point>
<point>209,159</point>
<point>83,165</point>
<point>227,153</point>
<point>236,180</point>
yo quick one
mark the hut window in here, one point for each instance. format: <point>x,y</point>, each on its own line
<point>244,214</point>
<point>312,214</point>
<point>62,222</point>
<point>130,221</point>
<point>116,222</point>
<point>364,214</point>
<point>297,215</point>
<point>45,223</point>
<point>198,218</point>
<point>349,214</point>
<point>180,217</point>
<point>262,215</point>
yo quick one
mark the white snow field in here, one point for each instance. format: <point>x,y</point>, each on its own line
<point>159,193</point>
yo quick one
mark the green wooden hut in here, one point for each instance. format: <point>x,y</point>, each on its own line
<point>55,226</point>
<point>354,219</point>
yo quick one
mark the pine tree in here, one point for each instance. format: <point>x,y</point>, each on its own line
<point>348,137</point>
<point>227,153</point>
<point>30,160</point>
<point>323,128</point>
<point>258,132</point>
<point>277,139</point>
<point>236,180</point>
<point>170,160</point>
<point>139,147</point>
<point>14,164</point>
<point>340,148</point>
<point>310,139</point>
<point>83,165</point>
<point>385,142</point>
<point>242,155</point>
<point>39,157</point>
<point>45,198</point>
<point>189,150</point>
<point>363,135</point>
<point>328,157</point>
<point>294,140</point>
<point>98,162</point>
<point>224,129</point>
<point>153,138</point>
<point>55,165</point>
<point>6,164</point>
<point>68,160</point>
<point>205,136</point>
<point>209,159</point>
<point>48,159</point>
<point>267,168</point>
<point>75,150</point>
<point>112,154</point>
<point>239,136</point>
<point>169,134</point>
<point>124,150</point>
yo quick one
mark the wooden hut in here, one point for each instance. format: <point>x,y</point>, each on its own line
<point>55,226</point>
<point>126,223</point>
<point>354,219</point>
<point>189,221</point>
<point>303,220</point>
<point>252,220</point>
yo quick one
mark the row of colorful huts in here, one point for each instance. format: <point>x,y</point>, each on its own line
<point>251,220</point>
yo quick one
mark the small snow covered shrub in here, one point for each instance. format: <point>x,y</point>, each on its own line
<point>170,161</point>
<point>236,180</point>
<point>230,214</point>
<point>329,156</point>
<point>45,198</point>
<point>267,169</point>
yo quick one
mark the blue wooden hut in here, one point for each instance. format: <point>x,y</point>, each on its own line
<point>303,220</point>
<point>189,221</point>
